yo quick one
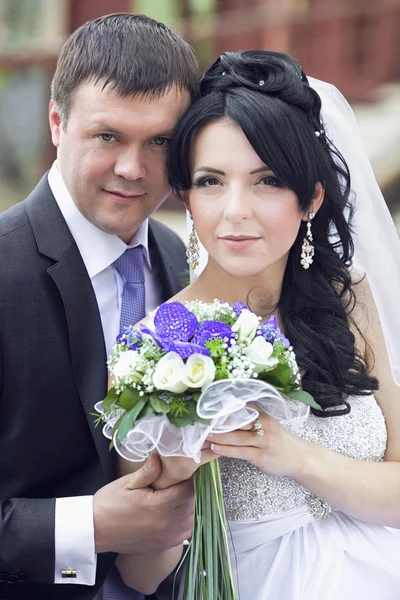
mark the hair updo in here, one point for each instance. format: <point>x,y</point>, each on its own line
<point>269,97</point>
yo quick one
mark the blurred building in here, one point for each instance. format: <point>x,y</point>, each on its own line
<point>354,44</point>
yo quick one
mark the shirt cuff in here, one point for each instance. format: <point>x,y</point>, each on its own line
<point>75,557</point>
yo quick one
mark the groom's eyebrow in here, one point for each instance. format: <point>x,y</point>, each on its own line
<point>209,170</point>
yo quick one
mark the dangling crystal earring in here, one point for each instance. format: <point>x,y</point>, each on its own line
<point>193,250</point>
<point>307,248</point>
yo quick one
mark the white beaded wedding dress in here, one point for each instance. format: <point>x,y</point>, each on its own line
<point>289,545</point>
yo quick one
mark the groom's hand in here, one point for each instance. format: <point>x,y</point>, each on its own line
<point>132,518</point>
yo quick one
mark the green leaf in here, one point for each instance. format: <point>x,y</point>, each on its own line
<point>216,347</point>
<point>221,372</point>
<point>189,417</point>
<point>305,397</point>
<point>116,425</point>
<point>98,419</point>
<point>146,410</point>
<point>129,398</point>
<point>279,376</point>
<point>159,406</point>
<point>192,408</point>
<point>110,399</point>
<point>180,420</point>
<point>128,419</point>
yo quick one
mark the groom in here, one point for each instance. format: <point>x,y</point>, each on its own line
<point>79,258</point>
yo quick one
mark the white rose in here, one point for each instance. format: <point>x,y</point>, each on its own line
<point>246,325</point>
<point>168,374</point>
<point>126,364</point>
<point>259,352</point>
<point>199,371</point>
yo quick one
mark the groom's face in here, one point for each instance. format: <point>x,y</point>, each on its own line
<point>112,154</point>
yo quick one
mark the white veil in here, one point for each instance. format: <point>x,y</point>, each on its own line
<point>377,245</point>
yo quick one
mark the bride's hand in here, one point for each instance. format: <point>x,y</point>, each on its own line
<point>178,468</point>
<point>276,452</point>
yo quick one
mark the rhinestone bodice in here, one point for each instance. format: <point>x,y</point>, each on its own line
<point>249,493</point>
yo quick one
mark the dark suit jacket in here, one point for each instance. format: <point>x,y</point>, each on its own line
<point>52,372</point>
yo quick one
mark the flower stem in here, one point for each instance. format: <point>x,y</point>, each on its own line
<point>209,572</point>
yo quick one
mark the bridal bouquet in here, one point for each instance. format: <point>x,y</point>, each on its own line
<point>187,375</point>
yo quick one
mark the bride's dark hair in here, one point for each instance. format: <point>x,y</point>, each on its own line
<point>269,97</point>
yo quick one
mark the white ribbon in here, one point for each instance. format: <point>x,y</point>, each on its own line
<point>223,402</point>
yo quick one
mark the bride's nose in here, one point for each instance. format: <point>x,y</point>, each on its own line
<point>237,206</point>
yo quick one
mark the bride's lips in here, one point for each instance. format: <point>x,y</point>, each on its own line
<point>122,198</point>
<point>239,242</point>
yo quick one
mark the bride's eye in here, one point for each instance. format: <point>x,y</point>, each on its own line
<point>206,182</point>
<point>270,181</point>
<point>161,141</point>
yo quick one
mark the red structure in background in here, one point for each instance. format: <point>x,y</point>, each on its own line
<point>82,11</point>
<point>354,44</point>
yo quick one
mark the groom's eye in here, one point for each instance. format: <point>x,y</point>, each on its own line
<point>106,137</point>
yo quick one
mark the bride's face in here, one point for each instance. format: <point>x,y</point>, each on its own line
<point>246,221</point>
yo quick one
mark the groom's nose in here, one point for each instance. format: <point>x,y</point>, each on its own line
<point>130,164</point>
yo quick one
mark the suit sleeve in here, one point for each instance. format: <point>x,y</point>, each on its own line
<point>27,539</point>
<point>26,536</point>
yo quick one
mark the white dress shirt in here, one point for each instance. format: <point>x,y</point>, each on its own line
<point>74,532</point>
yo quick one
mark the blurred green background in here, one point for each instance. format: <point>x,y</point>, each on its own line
<point>354,44</point>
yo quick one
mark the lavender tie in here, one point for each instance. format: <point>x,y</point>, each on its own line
<point>131,266</point>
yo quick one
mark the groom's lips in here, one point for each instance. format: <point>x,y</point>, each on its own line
<point>123,198</point>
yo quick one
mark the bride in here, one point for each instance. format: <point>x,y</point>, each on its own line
<point>314,515</point>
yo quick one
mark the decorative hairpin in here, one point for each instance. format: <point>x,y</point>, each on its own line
<point>223,72</point>
<point>319,133</point>
<point>261,82</point>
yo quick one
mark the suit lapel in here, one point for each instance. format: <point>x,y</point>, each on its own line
<point>166,266</point>
<point>86,338</point>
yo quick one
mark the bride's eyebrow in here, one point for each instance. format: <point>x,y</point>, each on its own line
<point>209,170</point>
<point>264,169</point>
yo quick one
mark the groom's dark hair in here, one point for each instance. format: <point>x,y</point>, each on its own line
<point>132,54</point>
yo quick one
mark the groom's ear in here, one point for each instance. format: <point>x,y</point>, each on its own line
<point>55,123</point>
<point>316,201</point>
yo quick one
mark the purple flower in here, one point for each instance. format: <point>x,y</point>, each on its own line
<point>175,322</point>
<point>238,307</point>
<point>284,339</point>
<point>174,325</point>
<point>186,349</point>
<point>130,337</point>
<point>271,332</point>
<point>210,330</point>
